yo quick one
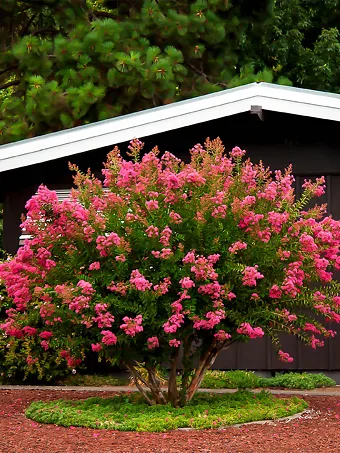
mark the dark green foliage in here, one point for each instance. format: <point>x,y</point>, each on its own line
<point>68,63</point>
<point>130,413</point>
<point>300,41</point>
<point>65,63</point>
<point>240,379</point>
<point>306,381</point>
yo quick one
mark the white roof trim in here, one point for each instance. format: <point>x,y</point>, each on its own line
<point>80,139</point>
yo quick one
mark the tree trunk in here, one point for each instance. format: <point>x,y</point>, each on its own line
<point>204,364</point>
<point>173,395</point>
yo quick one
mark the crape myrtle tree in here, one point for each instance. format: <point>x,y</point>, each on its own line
<point>165,257</point>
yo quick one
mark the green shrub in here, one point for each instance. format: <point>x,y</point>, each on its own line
<point>237,379</point>
<point>298,381</point>
<point>131,413</point>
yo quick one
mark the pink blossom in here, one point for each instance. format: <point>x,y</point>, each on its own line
<point>30,360</point>
<point>285,357</point>
<point>315,342</point>
<point>275,292</point>
<point>152,205</point>
<point>165,236</point>
<point>250,275</point>
<point>187,283</point>
<point>132,326</point>
<point>121,258</point>
<point>96,347</point>
<point>189,258</point>
<point>46,335</point>
<point>277,220</point>
<point>252,332</point>
<point>28,330</point>
<point>214,258</point>
<point>86,287</point>
<point>139,281</point>
<point>174,343</point>
<point>307,243</point>
<point>45,345</point>
<point>222,335</point>
<point>237,152</point>
<point>264,235</point>
<point>109,338</point>
<point>219,212</point>
<point>234,248</point>
<point>309,327</point>
<point>152,231</point>
<point>153,342</point>
<point>175,217</point>
<point>94,266</point>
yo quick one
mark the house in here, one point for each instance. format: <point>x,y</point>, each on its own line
<point>277,124</point>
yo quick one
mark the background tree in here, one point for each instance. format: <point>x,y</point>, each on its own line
<point>300,41</point>
<point>69,63</point>
<point>66,63</point>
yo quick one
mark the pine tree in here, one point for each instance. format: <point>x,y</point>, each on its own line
<point>66,63</point>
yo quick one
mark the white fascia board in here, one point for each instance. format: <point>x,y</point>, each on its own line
<point>165,118</point>
<point>118,130</point>
<point>297,101</point>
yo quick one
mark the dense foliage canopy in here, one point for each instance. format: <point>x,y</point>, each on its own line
<point>65,63</point>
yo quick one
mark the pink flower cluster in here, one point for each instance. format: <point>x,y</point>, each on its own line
<point>104,243</point>
<point>252,332</point>
<point>103,318</point>
<point>139,282</point>
<point>236,246</point>
<point>174,343</point>
<point>251,275</point>
<point>177,318</point>
<point>222,335</point>
<point>285,357</point>
<point>165,236</point>
<point>132,326</point>
<point>213,319</point>
<point>153,342</point>
<point>109,338</point>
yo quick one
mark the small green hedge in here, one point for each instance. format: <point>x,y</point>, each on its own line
<point>247,379</point>
<point>215,379</point>
<point>130,413</point>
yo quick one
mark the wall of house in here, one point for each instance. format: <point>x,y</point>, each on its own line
<point>311,145</point>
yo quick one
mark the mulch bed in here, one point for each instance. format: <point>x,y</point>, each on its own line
<point>316,431</point>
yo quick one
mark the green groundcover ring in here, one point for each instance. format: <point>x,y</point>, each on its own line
<point>128,412</point>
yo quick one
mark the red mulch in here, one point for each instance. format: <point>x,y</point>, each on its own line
<point>317,432</point>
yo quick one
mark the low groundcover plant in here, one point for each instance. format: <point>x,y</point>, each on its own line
<point>163,257</point>
<point>131,413</point>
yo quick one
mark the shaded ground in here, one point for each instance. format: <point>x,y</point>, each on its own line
<point>317,431</point>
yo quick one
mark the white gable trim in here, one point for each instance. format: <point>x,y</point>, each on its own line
<point>80,139</point>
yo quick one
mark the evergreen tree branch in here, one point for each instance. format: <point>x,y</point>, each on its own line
<point>104,14</point>
<point>29,23</point>
<point>198,71</point>
<point>46,30</point>
<point>9,84</point>
<point>10,68</point>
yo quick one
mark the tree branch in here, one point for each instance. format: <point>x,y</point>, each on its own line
<point>136,379</point>
<point>24,31</point>
<point>198,71</point>
<point>3,71</point>
<point>45,30</point>
<point>104,14</point>
<point>9,84</point>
